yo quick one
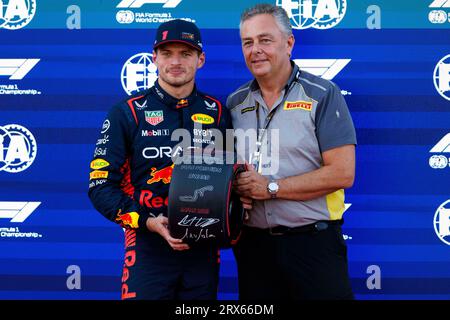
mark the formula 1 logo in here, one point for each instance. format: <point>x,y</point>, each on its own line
<point>441,77</point>
<point>16,14</point>
<point>18,148</point>
<point>16,69</point>
<point>17,211</point>
<point>128,16</point>
<point>442,222</point>
<point>324,68</point>
<point>140,3</point>
<point>318,14</point>
<point>438,15</point>
<point>138,73</point>
<point>438,160</point>
<point>131,12</point>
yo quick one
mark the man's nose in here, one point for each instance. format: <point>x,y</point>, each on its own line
<point>176,59</point>
<point>256,48</point>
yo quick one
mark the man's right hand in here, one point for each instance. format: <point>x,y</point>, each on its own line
<point>247,203</point>
<point>159,225</point>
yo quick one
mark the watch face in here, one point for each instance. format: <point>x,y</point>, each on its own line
<point>273,187</point>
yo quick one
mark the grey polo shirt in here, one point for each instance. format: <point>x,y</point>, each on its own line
<point>309,117</point>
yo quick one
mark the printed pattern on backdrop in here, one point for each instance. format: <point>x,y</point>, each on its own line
<point>62,67</point>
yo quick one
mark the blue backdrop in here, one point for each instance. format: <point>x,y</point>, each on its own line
<point>60,71</point>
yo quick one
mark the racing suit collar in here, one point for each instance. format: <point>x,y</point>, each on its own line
<point>173,102</point>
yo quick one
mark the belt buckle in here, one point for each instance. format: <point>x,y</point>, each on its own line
<point>321,226</point>
<point>274,233</point>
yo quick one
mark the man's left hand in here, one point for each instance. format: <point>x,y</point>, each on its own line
<point>251,184</point>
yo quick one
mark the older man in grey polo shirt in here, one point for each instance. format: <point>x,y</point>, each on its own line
<point>302,157</point>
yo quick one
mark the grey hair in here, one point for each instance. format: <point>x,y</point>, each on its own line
<point>278,13</point>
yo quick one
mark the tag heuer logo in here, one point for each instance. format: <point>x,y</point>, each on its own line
<point>154,117</point>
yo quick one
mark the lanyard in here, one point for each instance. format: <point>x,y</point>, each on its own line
<point>255,158</point>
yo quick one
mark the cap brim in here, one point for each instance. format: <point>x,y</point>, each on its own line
<point>178,41</point>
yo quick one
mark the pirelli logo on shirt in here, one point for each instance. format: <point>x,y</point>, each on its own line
<point>98,174</point>
<point>294,105</point>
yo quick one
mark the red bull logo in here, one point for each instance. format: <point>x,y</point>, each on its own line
<point>164,175</point>
<point>147,200</point>
<point>182,103</point>
<point>129,219</point>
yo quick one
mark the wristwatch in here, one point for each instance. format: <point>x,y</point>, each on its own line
<point>273,187</point>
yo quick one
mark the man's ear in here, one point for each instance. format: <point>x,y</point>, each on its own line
<point>201,60</point>
<point>290,44</point>
<point>154,57</point>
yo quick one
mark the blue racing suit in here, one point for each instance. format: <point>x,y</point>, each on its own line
<point>129,182</point>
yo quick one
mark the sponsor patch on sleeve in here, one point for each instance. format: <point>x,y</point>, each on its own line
<point>294,105</point>
<point>98,174</point>
<point>129,219</point>
<point>99,164</point>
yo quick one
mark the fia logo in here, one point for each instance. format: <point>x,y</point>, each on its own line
<point>440,13</point>
<point>442,222</point>
<point>138,73</point>
<point>18,148</point>
<point>16,14</point>
<point>438,160</point>
<point>441,77</point>
<point>125,16</point>
<point>318,14</point>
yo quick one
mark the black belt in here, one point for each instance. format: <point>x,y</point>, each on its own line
<point>313,227</point>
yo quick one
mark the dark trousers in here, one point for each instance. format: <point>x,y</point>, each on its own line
<point>294,266</point>
<point>154,271</point>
